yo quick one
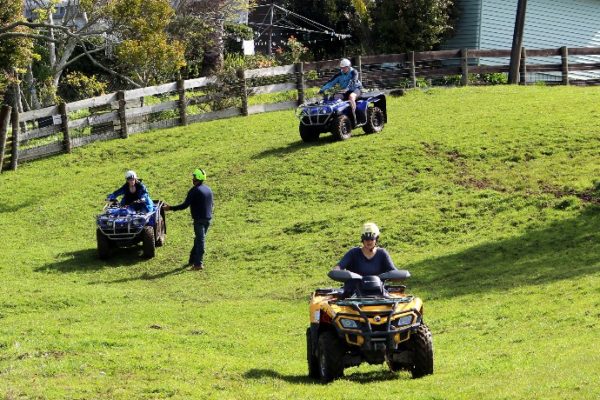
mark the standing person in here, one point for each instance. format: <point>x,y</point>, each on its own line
<point>134,192</point>
<point>349,80</point>
<point>200,200</point>
<point>369,259</point>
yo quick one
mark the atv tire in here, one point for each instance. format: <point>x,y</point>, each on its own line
<point>313,361</point>
<point>104,245</point>
<point>308,133</point>
<point>331,357</point>
<point>422,345</point>
<point>160,233</point>
<point>148,244</point>
<point>342,127</point>
<point>375,120</point>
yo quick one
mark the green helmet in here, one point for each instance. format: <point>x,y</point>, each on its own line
<point>199,174</point>
<point>369,231</point>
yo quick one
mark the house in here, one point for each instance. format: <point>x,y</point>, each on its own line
<point>489,24</point>
<point>66,12</point>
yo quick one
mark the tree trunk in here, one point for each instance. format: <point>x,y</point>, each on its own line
<point>51,45</point>
<point>213,52</point>
<point>31,90</point>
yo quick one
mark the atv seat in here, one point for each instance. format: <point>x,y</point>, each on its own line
<point>368,95</point>
<point>368,286</point>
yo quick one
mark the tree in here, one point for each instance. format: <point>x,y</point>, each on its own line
<point>344,16</point>
<point>145,49</point>
<point>416,25</point>
<point>15,51</point>
<point>376,26</point>
<point>214,14</point>
<point>89,28</point>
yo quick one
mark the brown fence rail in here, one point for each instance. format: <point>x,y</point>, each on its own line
<point>60,128</point>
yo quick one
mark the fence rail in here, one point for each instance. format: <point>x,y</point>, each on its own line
<point>60,128</point>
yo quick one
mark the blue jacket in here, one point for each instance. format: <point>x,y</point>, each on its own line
<point>141,193</point>
<point>348,81</point>
<point>200,201</point>
<point>355,261</point>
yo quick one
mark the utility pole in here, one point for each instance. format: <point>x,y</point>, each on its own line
<point>270,50</point>
<point>517,44</point>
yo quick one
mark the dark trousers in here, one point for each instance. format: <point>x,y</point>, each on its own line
<point>200,230</point>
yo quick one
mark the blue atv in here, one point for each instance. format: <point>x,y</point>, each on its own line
<point>335,115</point>
<point>120,226</point>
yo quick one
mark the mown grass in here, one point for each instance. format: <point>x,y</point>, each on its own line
<point>489,196</point>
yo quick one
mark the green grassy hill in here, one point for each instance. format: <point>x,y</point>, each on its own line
<point>489,196</point>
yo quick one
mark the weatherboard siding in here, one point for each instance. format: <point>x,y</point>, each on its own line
<point>489,24</point>
<point>548,23</point>
<point>466,33</point>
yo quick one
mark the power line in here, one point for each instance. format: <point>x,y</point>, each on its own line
<point>284,19</point>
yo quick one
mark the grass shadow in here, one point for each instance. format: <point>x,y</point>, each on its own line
<point>358,377</point>
<point>292,147</point>
<point>281,151</point>
<point>14,208</point>
<point>382,375</point>
<point>150,277</point>
<point>87,260</point>
<point>563,250</point>
<point>260,373</point>
<point>324,139</point>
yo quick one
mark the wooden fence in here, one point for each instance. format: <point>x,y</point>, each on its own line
<point>60,128</point>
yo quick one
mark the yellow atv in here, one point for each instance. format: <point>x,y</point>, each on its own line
<point>372,320</point>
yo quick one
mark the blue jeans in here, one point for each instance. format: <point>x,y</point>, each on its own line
<point>200,230</point>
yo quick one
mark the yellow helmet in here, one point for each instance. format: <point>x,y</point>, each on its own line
<point>369,231</point>
<point>199,174</point>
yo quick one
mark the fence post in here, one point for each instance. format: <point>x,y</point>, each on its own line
<point>122,117</point>
<point>14,161</point>
<point>243,91</point>
<point>464,65</point>
<point>64,125</point>
<point>300,84</point>
<point>358,65</point>
<point>4,120</point>
<point>564,57</point>
<point>413,71</point>
<point>182,102</point>
<point>523,67</point>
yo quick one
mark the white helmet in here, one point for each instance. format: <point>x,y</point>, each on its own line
<point>344,62</point>
<point>130,174</point>
<point>369,231</point>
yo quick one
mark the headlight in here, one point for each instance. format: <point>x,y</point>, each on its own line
<point>139,221</point>
<point>349,323</point>
<point>404,320</point>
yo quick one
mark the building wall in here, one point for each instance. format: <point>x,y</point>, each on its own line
<point>466,34</point>
<point>548,24</point>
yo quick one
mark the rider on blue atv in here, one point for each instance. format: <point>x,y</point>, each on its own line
<point>349,81</point>
<point>135,194</point>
